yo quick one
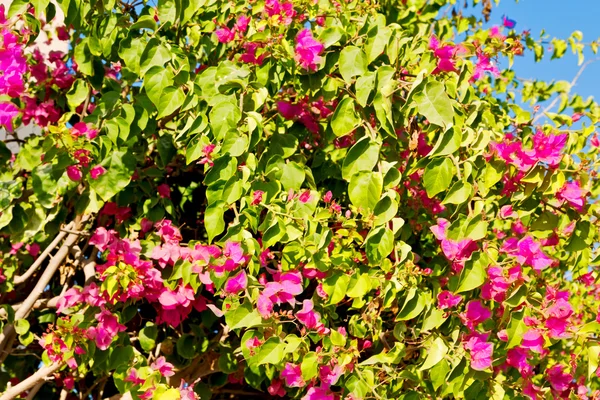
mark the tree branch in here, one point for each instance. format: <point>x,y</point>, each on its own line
<point>30,382</point>
<point>8,334</point>
<point>23,278</point>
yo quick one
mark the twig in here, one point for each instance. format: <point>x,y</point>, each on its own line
<point>557,98</point>
<point>34,390</point>
<point>30,382</point>
<point>8,334</point>
<point>22,278</point>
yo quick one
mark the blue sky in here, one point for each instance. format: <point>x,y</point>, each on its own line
<point>559,18</point>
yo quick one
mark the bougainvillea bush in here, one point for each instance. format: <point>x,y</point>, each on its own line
<point>311,200</point>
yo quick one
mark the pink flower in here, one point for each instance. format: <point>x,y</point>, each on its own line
<point>253,343</point>
<point>507,212</point>
<point>548,148</point>
<point>164,191</point>
<point>496,34</point>
<point>81,129</point>
<point>444,54</point>
<point>305,196</point>
<point>508,23</point>
<point>257,197</point>
<point>70,298</point>
<point>533,340</point>
<point>107,329</point>
<point>276,388</point>
<point>484,64</point>
<point>236,284</point>
<point>481,351</point>
<point>292,375</point>
<point>572,193</point>
<point>97,171</point>
<point>225,35</point>
<point>74,173</point>
<point>161,365</point>
<point>249,56</point>
<point>330,376</point>
<point>285,289</point>
<point>307,316</point>
<point>497,285</point>
<point>528,252</point>
<point>134,378</point>
<point>234,252</point>
<point>447,299</point>
<point>594,141</point>
<point>207,151</point>
<point>475,314</point>
<point>558,316</point>
<point>559,380</point>
<point>308,50</point>
<point>318,393</point>
<point>328,197</point>
<point>8,112</point>
<point>241,24</point>
<point>33,249</point>
<point>285,11</point>
<point>517,358</point>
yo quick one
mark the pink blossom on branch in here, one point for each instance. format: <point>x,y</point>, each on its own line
<point>308,50</point>
<point>572,193</point>
<point>236,283</point>
<point>8,112</point>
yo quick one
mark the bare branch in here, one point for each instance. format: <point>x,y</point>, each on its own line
<point>33,380</point>
<point>8,334</point>
<point>23,278</point>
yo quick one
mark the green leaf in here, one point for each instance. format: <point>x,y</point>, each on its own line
<point>365,190</point>
<point>434,104</point>
<point>590,327</point>
<point>213,219</point>
<point>170,100</point>
<point>344,119</point>
<point>593,351</point>
<point>447,143</point>
<point>147,336</point>
<point>77,94</point>
<point>187,346</point>
<point>336,287</point>
<point>167,11</point>
<point>224,117</point>
<point>438,176</point>
<point>309,366</point>
<point>352,62</point>
<point>474,273</point>
<point>379,244</point>
<point>243,316</point>
<point>360,284</point>
<point>155,54</point>
<point>547,221</point>
<point>119,169</point>
<point>293,176</point>
<point>22,326</point>
<point>331,35</point>
<point>385,210</point>
<point>378,39</point>
<point>363,156</point>
<point>271,352</point>
<point>515,329</point>
<point>157,79</point>
<point>491,175</point>
<point>458,193</point>
<point>364,86</point>
<point>435,353</point>
<point>413,306</point>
